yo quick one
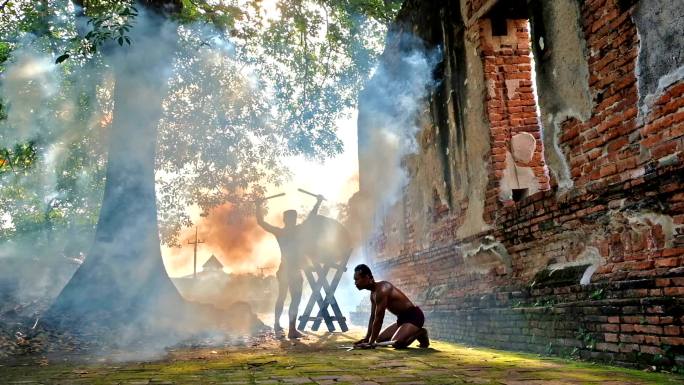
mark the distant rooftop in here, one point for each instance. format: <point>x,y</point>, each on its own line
<point>212,264</point>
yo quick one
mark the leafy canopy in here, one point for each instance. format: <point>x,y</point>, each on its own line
<point>252,81</point>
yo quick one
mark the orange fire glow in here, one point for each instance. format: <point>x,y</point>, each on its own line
<point>231,238</point>
<point>239,243</point>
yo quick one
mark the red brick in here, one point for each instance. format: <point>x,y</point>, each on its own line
<point>675,341</point>
<point>607,347</point>
<point>650,329</point>
<point>671,252</point>
<point>674,291</point>
<point>667,262</point>
<point>610,328</point>
<point>617,144</point>
<point>651,349</point>
<point>664,149</point>
<point>632,338</point>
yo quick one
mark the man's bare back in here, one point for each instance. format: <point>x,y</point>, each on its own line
<point>397,301</point>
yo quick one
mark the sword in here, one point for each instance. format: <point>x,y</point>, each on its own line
<point>308,192</point>
<point>274,196</point>
<point>267,198</point>
<point>376,345</point>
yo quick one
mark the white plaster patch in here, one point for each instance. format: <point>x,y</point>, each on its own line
<point>512,86</point>
<point>590,255</point>
<point>482,257</point>
<point>516,177</point>
<point>646,219</point>
<point>523,146</point>
<point>491,88</point>
<point>586,277</point>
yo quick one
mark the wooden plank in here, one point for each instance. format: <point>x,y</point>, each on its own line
<point>330,300</point>
<point>316,298</point>
<point>323,302</point>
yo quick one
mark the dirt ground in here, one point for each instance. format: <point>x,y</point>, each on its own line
<point>318,359</point>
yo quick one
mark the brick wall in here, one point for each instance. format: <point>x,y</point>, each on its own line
<point>601,150</point>
<point>623,215</point>
<point>511,110</point>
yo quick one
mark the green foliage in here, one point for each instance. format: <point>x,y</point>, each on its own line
<point>18,159</point>
<point>276,91</point>
<point>597,294</point>
<point>109,21</point>
<point>588,338</point>
<point>222,16</point>
<point>5,50</point>
<point>21,16</point>
<point>43,212</point>
<point>544,302</point>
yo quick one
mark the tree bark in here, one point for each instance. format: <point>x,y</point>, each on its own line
<point>123,282</point>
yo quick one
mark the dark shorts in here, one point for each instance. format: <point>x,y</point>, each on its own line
<point>412,315</point>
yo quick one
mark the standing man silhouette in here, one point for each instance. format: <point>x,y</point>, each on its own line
<point>291,260</point>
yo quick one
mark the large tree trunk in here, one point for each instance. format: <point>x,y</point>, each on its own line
<point>123,282</point>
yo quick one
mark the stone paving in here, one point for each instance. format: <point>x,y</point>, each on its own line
<point>318,359</point>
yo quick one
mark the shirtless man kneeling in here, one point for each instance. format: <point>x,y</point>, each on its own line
<point>384,296</point>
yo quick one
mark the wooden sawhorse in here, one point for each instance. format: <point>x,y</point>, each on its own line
<point>317,282</point>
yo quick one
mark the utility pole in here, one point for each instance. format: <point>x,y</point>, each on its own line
<point>262,269</point>
<point>194,261</point>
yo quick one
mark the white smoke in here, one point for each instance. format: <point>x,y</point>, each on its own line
<point>28,84</point>
<point>43,103</point>
<point>389,111</point>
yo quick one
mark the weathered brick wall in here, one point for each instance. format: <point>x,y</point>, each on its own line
<point>619,222</point>
<point>512,113</point>
<point>601,150</point>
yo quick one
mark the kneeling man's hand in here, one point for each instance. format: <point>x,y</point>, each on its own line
<point>360,342</point>
<point>366,345</point>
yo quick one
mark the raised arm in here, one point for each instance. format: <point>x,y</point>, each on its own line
<point>260,219</point>
<point>314,210</point>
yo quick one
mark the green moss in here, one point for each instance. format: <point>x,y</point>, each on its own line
<point>320,357</point>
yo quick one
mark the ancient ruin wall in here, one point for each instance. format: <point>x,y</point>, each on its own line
<point>590,260</point>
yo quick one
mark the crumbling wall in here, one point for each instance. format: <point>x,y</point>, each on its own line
<point>517,161</point>
<point>591,261</point>
<point>562,76</point>
<point>661,48</point>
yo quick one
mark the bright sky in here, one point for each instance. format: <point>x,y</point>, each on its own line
<point>336,179</point>
<point>270,10</point>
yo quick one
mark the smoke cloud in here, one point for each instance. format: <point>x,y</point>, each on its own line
<point>121,269</point>
<point>151,86</point>
<point>389,111</point>
<point>28,85</point>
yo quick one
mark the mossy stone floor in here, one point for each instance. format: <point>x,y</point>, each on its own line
<point>317,359</point>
